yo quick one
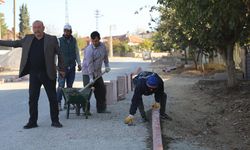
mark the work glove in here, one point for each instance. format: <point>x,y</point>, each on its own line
<point>156,106</point>
<point>107,69</point>
<point>129,120</point>
<point>79,68</point>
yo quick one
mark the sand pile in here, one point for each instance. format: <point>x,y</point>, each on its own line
<point>11,59</point>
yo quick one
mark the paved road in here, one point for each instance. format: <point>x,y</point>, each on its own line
<point>99,132</point>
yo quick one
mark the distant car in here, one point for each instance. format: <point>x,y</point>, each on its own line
<point>146,55</point>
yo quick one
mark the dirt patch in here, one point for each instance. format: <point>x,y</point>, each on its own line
<point>206,115</point>
<point>229,122</point>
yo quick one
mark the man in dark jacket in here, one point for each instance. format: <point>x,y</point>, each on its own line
<point>38,60</point>
<point>147,83</point>
<point>70,53</point>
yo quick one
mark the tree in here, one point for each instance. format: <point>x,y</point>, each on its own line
<point>3,25</point>
<point>147,45</point>
<point>82,43</point>
<point>120,48</point>
<point>214,23</point>
<point>24,25</point>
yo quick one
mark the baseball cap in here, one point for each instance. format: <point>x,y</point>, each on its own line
<point>67,27</point>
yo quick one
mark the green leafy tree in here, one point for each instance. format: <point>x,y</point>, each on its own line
<point>24,25</point>
<point>167,25</point>
<point>147,45</point>
<point>121,48</point>
<point>3,25</point>
<point>214,23</point>
<point>81,43</point>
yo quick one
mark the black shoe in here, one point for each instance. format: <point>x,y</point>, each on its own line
<point>56,124</point>
<point>165,116</point>
<point>145,119</point>
<point>104,112</point>
<point>88,113</point>
<point>30,125</point>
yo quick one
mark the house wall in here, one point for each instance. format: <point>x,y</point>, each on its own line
<point>153,54</point>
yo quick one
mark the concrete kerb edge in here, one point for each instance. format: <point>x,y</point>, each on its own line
<point>156,131</point>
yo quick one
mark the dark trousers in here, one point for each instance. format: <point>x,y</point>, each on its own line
<point>69,79</point>
<point>85,79</point>
<point>139,104</point>
<point>100,95</point>
<point>141,109</point>
<point>163,102</point>
<point>37,79</point>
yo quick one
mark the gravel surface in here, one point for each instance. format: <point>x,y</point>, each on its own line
<point>100,131</point>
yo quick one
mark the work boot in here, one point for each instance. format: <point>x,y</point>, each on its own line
<point>165,116</point>
<point>30,125</point>
<point>144,117</point>
<point>56,124</point>
<point>103,111</point>
<point>88,113</point>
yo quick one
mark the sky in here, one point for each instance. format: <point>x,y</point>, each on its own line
<point>117,15</point>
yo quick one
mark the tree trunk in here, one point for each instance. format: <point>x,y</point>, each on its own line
<point>202,63</point>
<point>186,62</point>
<point>231,81</point>
<point>195,61</point>
<point>195,64</point>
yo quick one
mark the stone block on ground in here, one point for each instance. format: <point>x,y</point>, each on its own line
<point>121,88</point>
<point>126,83</point>
<point>111,95</point>
<point>129,82</point>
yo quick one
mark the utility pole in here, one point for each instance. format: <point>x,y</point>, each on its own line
<point>0,29</point>
<point>1,1</point>
<point>97,16</point>
<point>110,42</point>
<point>14,19</point>
<point>66,12</point>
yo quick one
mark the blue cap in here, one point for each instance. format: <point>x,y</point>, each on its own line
<point>152,81</point>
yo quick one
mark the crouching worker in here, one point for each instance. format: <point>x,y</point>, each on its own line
<point>147,83</point>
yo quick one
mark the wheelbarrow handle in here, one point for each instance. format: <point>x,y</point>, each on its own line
<point>89,84</point>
